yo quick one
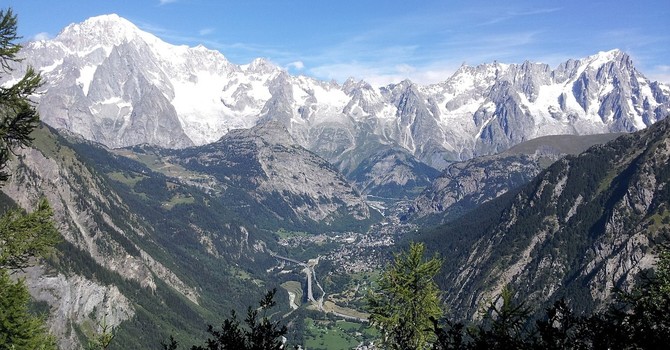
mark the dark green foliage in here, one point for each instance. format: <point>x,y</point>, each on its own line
<point>560,329</point>
<point>23,237</point>
<point>172,237</point>
<point>18,328</point>
<point>449,336</point>
<point>255,334</point>
<point>504,324</point>
<point>544,214</point>
<point>634,320</point>
<point>103,339</point>
<point>642,317</point>
<point>153,186</point>
<point>18,116</point>
<point>8,38</point>
<point>405,300</point>
<point>172,344</point>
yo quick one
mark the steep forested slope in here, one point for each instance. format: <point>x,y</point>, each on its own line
<point>146,252</point>
<point>584,226</point>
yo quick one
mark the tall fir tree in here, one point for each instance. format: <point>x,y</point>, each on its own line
<point>18,116</point>
<point>22,236</point>
<point>406,299</point>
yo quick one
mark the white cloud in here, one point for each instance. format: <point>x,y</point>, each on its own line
<point>381,64</point>
<point>660,73</point>
<point>205,31</point>
<point>540,11</point>
<point>343,71</point>
<point>435,74</point>
<point>164,2</point>
<point>297,65</point>
<point>152,28</point>
<point>379,75</point>
<point>41,36</point>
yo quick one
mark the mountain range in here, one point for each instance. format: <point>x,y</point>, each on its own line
<point>180,182</point>
<point>115,84</point>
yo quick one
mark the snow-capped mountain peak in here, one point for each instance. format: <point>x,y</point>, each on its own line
<point>261,66</point>
<point>100,31</point>
<point>116,84</point>
<point>603,57</point>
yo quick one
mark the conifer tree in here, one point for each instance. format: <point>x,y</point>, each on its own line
<point>406,300</point>
<point>22,236</point>
<point>256,333</point>
<point>504,327</point>
<point>18,328</point>
<point>18,116</point>
<point>642,317</point>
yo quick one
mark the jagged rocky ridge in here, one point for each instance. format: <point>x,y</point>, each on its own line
<point>585,225</point>
<point>294,184</point>
<point>463,186</point>
<point>117,85</point>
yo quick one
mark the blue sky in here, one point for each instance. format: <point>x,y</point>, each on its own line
<point>384,41</point>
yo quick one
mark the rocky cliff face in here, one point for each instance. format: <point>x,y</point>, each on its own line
<point>465,185</point>
<point>585,225</point>
<point>76,300</point>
